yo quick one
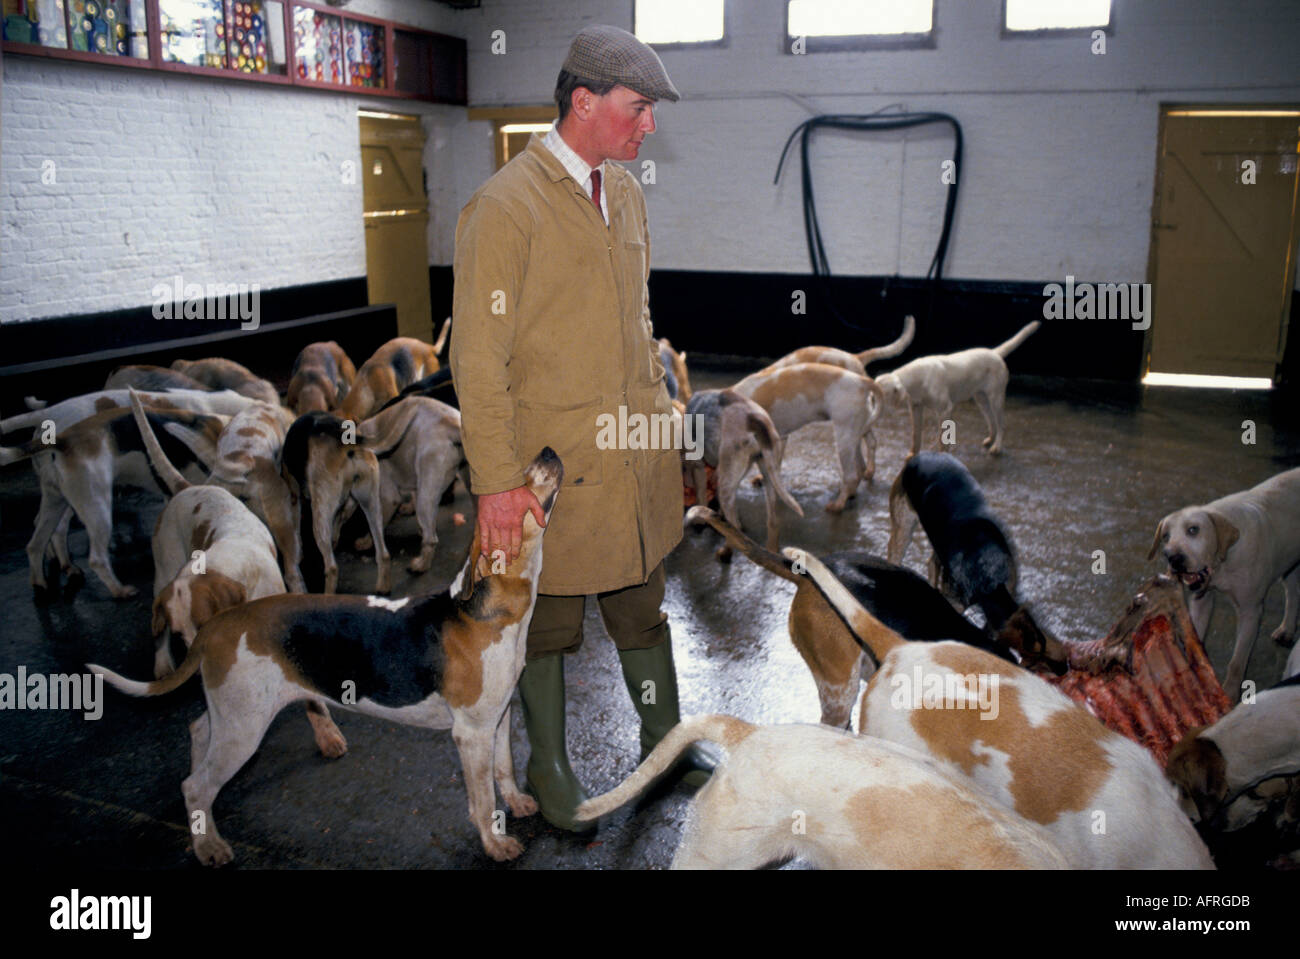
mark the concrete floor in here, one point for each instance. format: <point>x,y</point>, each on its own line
<point>1088,466</point>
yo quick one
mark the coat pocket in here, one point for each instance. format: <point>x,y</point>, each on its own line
<point>570,430</point>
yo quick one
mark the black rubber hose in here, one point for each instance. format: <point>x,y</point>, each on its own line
<point>869,122</point>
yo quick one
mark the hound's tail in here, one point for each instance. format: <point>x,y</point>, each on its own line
<point>891,349</point>
<point>1005,349</point>
<point>871,632</point>
<point>168,473</point>
<point>441,341</point>
<point>16,454</point>
<point>725,730</point>
<point>735,538</point>
<point>769,463</point>
<point>188,667</point>
<point>32,403</point>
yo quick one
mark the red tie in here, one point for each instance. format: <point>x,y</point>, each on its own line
<point>595,191</point>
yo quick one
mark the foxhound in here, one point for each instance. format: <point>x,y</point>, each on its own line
<point>209,553</point>
<point>393,367</point>
<point>449,659</point>
<point>1238,545</point>
<point>77,473</point>
<point>738,434</point>
<point>795,396</point>
<point>1101,796</point>
<point>894,594</point>
<point>940,382</point>
<point>418,445</point>
<point>839,801</point>
<point>322,375</point>
<point>973,556</point>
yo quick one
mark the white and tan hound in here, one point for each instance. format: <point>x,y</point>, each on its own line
<point>839,801</point>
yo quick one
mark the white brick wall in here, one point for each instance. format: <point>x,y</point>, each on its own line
<point>1060,143</point>
<point>157,175</point>
<point>233,182</point>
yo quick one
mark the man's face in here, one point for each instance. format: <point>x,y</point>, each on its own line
<point>621,120</point>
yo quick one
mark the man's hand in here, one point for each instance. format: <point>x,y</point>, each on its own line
<point>501,520</point>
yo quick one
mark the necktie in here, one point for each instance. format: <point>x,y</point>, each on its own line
<point>595,191</point>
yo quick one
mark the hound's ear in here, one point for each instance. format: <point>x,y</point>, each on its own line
<point>1225,533</point>
<point>482,567</point>
<point>210,593</point>
<point>1155,543</point>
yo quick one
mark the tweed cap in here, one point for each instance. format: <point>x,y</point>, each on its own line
<point>607,53</point>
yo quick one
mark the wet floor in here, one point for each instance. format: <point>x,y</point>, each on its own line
<point>1088,466</point>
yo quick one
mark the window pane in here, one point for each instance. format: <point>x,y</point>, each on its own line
<point>836,18</point>
<point>193,32</point>
<point>257,36</point>
<point>318,45</point>
<point>679,21</point>
<point>111,27</point>
<point>35,21</point>
<point>1057,14</point>
<point>364,47</point>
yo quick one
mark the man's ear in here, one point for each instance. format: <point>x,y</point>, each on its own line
<point>1155,543</point>
<point>1224,532</point>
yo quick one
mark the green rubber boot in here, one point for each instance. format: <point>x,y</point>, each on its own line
<point>550,778</point>
<point>652,683</point>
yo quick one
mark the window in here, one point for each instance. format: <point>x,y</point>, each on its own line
<point>1038,16</point>
<point>679,21</point>
<point>293,42</point>
<point>827,25</point>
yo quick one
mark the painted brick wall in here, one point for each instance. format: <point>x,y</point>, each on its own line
<point>1060,143</point>
<point>157,175</point>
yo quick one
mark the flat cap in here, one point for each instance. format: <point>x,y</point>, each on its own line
<point>612,55</point>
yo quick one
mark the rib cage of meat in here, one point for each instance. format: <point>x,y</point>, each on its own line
<point>1149,678</point>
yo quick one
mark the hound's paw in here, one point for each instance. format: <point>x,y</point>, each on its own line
<point>331,743</point>
<point>364,544</point>
<point>504,849</point>
<point>836,507</point>
<point>521,805</point>
<point>987,441</point>
<point>1282,637</point>
<point>723,554</point>
<point>125,592</point>
<point>213,850</point>
<point>418,565</point>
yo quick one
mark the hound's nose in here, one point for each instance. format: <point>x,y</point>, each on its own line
<point>1177,562</point>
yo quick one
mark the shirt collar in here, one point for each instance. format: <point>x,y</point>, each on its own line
<point>575,165</point>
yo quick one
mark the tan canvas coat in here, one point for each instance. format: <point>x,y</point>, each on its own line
<point>551,329</point>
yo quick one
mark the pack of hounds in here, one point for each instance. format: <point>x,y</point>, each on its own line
<point>915,788</point>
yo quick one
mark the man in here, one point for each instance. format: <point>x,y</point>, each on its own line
<point>552,329</point>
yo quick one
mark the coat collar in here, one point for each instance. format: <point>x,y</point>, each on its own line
<point>613,181</point>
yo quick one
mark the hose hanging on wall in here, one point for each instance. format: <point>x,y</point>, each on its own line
<point>869,122</point>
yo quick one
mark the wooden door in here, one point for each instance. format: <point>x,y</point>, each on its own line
<point>1223,248</point>
<point>397,219</point>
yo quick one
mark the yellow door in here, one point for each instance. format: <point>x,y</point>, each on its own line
<point>1223,240</point>
<point>397,219</point>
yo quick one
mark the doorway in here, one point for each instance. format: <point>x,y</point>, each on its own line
<point>397,219</point>
<point>1223,240</point>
